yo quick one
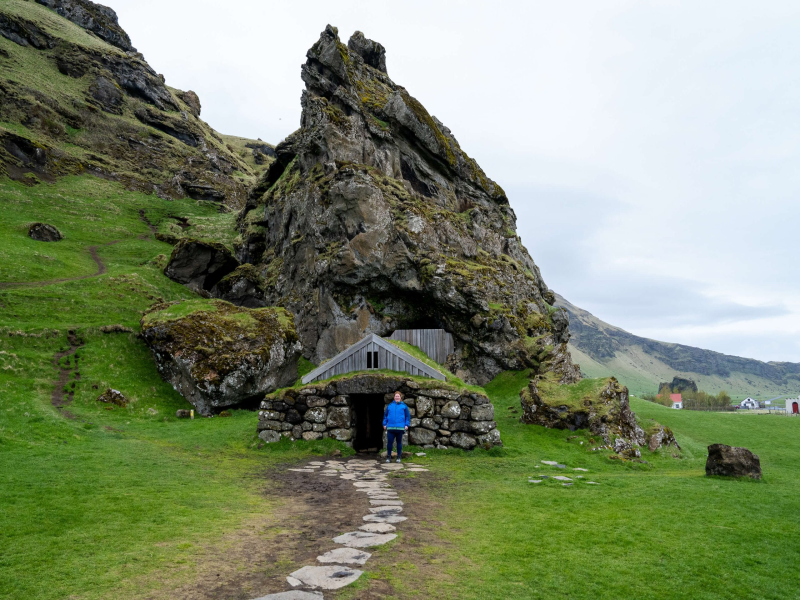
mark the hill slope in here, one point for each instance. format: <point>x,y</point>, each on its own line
<point>641,363</point>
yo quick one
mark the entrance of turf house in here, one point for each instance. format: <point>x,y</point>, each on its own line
<point>368,409</point>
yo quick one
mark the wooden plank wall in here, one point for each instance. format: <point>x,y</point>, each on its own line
<point>436,343</point>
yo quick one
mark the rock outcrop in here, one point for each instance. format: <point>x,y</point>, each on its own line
<point>127,125</point>
<point>730,461</point>
<point>441,414</point>
<point>218,355</point>
<point>200,265</point>
<point>100,20</point>
<point>242,287</point>
<point>44,232</point>
<point>599,405</point>
<point>373,218</point>
<point>111,396</point>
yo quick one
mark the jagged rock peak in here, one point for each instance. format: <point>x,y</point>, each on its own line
<point>372,218</point>
<point>373,53</point>
<point>100,20</point>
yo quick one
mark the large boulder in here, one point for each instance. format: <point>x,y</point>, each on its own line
<point>599,405</point>
<point>218,355</point>
<point>731,461</point>
<point>43,232</point>
<point>199,265</point>
<point>373,218</point>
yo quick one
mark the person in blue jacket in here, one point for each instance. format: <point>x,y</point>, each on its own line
<point>396,419</point>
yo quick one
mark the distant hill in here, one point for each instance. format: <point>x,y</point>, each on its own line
<point>642,363</point>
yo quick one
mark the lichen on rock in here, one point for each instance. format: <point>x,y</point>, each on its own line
<point>218,355</point>
<point>373,203</point>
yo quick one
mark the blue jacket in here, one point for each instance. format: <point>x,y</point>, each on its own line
<point>396,416</point>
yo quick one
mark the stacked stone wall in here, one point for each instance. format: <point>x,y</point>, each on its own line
<point>441,415</point>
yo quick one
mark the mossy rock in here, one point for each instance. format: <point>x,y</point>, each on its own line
<point>219,355</point>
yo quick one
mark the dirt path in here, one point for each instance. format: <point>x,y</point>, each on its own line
<point>310,510</point>
<point>101,269</point>
<point>60,398</point>
<point>143,217</point>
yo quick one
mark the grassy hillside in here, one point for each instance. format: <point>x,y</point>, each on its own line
<point>641,364</point>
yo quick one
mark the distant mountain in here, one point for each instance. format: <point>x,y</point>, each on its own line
<point>642,363</point>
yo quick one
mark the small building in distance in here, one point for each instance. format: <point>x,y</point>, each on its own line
<point>748,403</point>
<point>793,406</point>
<point>677,401</point>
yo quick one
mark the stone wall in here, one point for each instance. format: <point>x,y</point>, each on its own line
<point>441,415</point>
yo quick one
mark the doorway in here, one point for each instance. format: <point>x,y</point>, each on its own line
<point>795,408</point>
<point>368,409</point>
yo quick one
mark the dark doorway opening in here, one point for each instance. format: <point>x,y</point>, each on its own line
<point>368,409</point>
<point>795,408</point>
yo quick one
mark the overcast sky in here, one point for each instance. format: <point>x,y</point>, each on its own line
<point>651,150</point>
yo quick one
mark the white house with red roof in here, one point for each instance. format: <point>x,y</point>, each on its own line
<point>677,401</point>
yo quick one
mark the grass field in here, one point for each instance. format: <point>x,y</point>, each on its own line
<point>119,503</point>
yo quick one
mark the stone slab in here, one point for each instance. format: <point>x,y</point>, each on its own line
<point>417,470</point>
<point>364,539</point>
<point>378,528</point>
<point>534,481</point>
<point>293,582</point>
<point>384,519</point>
<point>386,502</point>
<point>561,478</point>
<point>293,595</point>
<point>329,577</point>
<point>345,556</point>
<point>303,470</point>
<point>386,510</point>
<point>552,463</point>
<point>580,469</point>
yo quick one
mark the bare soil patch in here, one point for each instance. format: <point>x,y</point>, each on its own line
<point>59,398</point>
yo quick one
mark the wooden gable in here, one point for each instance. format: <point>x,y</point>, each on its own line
<point>372,352</point>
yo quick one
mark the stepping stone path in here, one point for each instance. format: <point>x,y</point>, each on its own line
<point>385,507</point>
<point>566,481</point>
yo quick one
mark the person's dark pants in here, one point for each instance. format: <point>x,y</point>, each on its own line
<point>391,436</point>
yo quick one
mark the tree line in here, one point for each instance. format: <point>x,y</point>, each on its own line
<point>698,400</point>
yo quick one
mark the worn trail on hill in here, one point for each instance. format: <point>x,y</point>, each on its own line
<point>101,269</point>
<point>59,397</point>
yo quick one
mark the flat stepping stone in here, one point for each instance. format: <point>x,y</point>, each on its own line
<point>370,484</point>
<point>561,478</point>
<point>392,466</point>
<point>303,470</point>
<point>293,594</point>
<point>534,481</point>
<point>348,476</point>
<point>417,470</point>
<point>561,466</point>
<point>592,483</point>
<point>329,474</point>
<point>386,502</point>
<point>364,539</point>
<point>384,519</point>
<point>552,463</point>
<point>382,497</point>
<point>386,510</point>
<point>293,582</point>
<point>378,528</point>
<point>580,469</point>
<point>420,454</point>
<point>329,577</point>
<point>345,556</point>
<point>566,484</point>
<point>317,462</point>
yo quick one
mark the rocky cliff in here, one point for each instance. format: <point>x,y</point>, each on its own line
<point>373,218</point>
<point>82,100</point>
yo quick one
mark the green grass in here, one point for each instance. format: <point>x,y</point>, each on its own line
<point>119,503</point>
<point>657,530</point>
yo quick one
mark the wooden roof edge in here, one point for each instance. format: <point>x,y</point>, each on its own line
<point>372,337</point>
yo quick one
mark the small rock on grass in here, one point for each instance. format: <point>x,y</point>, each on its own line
<point>420,454</point>
<point>534,481</point>
<point>561,478</point>
<point>552,463</point>
<point>580,469</point>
